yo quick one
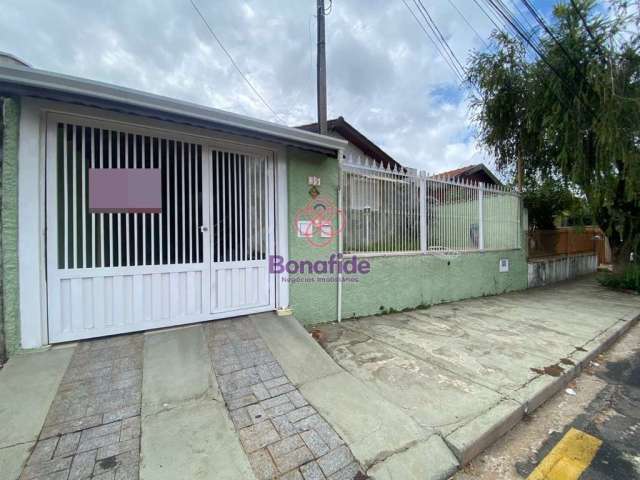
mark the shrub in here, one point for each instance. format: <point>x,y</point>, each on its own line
<point>628,279</point>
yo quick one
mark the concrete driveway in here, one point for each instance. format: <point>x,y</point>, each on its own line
<point>468,370</point>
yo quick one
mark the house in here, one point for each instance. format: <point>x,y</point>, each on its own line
<point>125,211</point>
<point>359,145</point>
<point>472,173</point>
<point>229,187</point>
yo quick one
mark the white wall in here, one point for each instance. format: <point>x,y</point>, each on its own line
<point>31,227</point>
<point>557,269</point>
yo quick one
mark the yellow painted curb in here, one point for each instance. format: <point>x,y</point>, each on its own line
<point>569,458</point>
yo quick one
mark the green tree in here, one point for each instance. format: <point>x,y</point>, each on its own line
<point>547,200</point>
<point>572,115</point>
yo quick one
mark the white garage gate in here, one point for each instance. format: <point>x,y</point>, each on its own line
<point>203,256</point>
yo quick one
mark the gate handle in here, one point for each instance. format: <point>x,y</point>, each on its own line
<point>204,228</point>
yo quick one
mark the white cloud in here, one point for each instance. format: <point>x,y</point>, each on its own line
<point>384,75</point>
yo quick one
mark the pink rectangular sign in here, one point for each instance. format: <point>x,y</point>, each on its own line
<point>125,190</point>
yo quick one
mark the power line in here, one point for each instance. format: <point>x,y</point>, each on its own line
<point>544,25</point>
<point>439,45</point>
<point>515,28</point>
<point>513,17</point>
<point>580,69</point>
<point>434,27</point>
<point>435,43</point>
<point>522,14</point>
<point>511,22</point>
<point>507,18</point>
<point>233,62</point>
<point>486,14</point>
<point>468,23</point>
<point>545,60</point>
<point>583,19</point>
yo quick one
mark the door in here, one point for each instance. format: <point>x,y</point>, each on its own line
<point>241,239</point>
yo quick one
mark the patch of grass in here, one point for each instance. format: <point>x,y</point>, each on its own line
<point>388,310</point>
<point>628,279</point>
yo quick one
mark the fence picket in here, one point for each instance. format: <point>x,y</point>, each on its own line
<point>391,210</point>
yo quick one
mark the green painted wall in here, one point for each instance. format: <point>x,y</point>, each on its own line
<point>395,282</point>
<point>311,302</point>
<point>409,281</point>
<point>9,226</point>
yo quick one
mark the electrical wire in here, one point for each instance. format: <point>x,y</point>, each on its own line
<point>515,27</point>
<point>546,28</point>
<point>486,44</point>
<point>564,81</point>
<point>583,19</point>
<point>443,41</point>
<point>435,43</point>
<point>233,62</point>
<point>486,14</point>
<point>327,11</point>
<point>522,14</point>
<point>513,17</point>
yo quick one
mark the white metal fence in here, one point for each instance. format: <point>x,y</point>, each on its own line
<point>392,211</point>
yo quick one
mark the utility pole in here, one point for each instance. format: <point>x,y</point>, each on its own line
<point>322,71</point>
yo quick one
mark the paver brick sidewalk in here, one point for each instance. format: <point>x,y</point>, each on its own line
<point>92,429</point>
<point>283,436</point>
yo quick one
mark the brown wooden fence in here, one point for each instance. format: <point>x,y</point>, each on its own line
<point>569,241</point>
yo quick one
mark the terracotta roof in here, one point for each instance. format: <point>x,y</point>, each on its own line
<point>355,137</point>
<point>470,170</point>
<point>457,171</point>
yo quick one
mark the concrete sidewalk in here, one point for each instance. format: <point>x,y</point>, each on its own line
<point>28,384</point>
<point>386,441</point>
<point>468,371</point>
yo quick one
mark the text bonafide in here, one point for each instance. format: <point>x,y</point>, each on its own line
<point>335,264</point>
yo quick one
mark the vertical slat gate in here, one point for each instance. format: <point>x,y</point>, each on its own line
<point>111,272</point>
<point>240,187</point>
<point>117,272</point>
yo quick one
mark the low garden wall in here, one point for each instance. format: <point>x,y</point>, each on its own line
<point>396,280</point>
<point>544,271</point>
<point>395,283</point>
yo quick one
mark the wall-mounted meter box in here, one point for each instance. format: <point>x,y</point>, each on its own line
<point>504,265</point>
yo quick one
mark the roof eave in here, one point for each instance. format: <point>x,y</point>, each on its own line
<point>482,167</point>
<point>33,82</point>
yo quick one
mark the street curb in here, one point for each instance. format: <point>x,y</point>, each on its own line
<point>608,339</point>
<point>474,437</point>
<point>430,459</point>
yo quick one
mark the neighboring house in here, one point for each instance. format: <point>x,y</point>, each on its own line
<point>359,146</point>
<point>201,200</point>
<point>359,149</point>
<point>472,173</point>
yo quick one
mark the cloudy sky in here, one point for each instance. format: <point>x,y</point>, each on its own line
<point>384,75</point>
